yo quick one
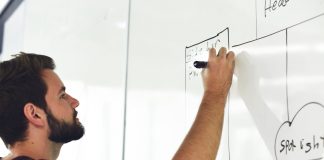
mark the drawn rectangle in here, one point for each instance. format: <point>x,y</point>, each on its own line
<point>194,85</point>
<point>258,97</point>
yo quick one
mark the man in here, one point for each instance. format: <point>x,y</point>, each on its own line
<point>37,117</point>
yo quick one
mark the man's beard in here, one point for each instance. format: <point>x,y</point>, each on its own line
<point>61,131</point>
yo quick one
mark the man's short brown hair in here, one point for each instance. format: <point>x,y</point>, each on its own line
<point>21,82</point>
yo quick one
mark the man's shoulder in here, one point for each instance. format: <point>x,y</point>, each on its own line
<point>20,158</point>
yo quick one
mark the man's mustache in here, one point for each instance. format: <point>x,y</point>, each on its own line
<point>75,113</point>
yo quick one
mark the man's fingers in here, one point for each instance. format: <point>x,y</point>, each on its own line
<point>231,59</point>
<point>230,56</point>
<point>212,53</point>
<point>222,52</point>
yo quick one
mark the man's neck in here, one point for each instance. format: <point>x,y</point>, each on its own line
<point>36,149</point>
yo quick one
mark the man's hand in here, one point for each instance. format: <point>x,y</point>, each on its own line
<point>218,75</point>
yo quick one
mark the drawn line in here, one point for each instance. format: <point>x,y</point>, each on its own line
<point>228,39</point>
<point>208,38</point>
<point>258,38</point>
<point>185,65</point>
<point>287,100</point>
<point>322,14</point>
<point>126,83</point>
<point>317,158</point>
<point>228,126</point>
<point>256,20</point>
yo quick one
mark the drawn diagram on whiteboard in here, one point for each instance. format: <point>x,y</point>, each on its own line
<point>293,139</point>
<point>279,82</point>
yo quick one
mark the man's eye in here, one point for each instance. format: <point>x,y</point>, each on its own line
<point>63,96</point>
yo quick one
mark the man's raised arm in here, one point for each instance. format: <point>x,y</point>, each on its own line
<point>202,141</point>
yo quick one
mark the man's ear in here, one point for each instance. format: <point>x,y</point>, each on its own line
<point>35,115</point>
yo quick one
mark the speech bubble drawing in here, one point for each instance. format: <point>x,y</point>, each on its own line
<point>302,138</point>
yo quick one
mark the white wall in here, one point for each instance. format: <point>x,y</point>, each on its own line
<point>87,40</point>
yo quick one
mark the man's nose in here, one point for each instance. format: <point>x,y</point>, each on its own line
<point>74,102</point>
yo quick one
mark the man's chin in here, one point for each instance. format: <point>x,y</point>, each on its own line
<point>67,133</point>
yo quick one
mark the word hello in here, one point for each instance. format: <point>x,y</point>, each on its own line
<point>273,5</point>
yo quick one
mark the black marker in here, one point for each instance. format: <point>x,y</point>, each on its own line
<point>200,64</point>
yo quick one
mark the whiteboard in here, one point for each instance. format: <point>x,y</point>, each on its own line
<point>275,107</point>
